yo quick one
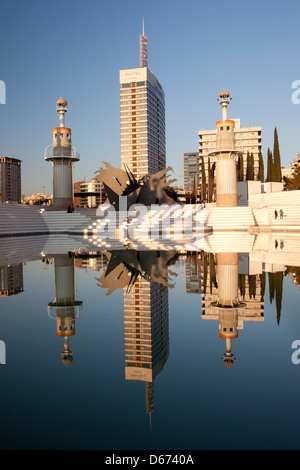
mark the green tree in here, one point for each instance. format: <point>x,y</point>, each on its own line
<point>240,168</point>
<point>276,159</point>
<point>252,286</point>
<point>278,294</point>
<point>294,181</point>
<point>261,170</point>
<point>250,167</point>
<point>203,184</point>
<point>242,285</point>
<point>263,284</point>
<point>270,165</point>
<point>271,287</point>
<point>194,192</point>
<point>211,180</point>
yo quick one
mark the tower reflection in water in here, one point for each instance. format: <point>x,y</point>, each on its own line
<point>145,277</point>
<point>227,296</point>
<point>65,308</point>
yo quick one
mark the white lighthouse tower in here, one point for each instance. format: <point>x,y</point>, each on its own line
<point>226,153</point>
<point>62,156</point>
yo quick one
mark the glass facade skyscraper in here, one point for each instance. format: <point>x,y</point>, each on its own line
<point>142,108</point>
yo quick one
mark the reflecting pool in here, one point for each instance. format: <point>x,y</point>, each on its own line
<point>129,349</point>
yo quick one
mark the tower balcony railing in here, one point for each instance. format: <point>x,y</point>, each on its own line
<point>64,152</point>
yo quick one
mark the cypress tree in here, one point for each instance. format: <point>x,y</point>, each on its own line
<point>203,185</point>
<point>271,287</point>
<point>261,171</point>
<point>248,166</point>
<point>263,285</point>
<point>278,294</point>
<point>269,167</point>
<point>252,286</point>
<point>251,167</point>
<point>240,168</point>
<point>194,192</point>
<point>277,161</point>
<point>242,285</point>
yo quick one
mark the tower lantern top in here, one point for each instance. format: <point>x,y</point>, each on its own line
<point>224,97</point>
<point>61,108</point>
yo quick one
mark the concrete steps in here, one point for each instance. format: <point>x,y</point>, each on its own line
<point>21,219</point>
<point>229,218</point>
<point>290,217</point>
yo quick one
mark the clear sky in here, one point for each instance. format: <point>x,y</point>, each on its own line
<point>75,49</point>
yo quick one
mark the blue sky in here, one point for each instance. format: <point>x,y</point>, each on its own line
<point>75,49</point>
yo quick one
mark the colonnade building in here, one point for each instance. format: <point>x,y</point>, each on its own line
<point>142,112</point>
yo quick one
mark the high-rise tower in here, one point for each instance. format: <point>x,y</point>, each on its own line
<point>62,156</point>
<point>226,187</point>
<point>142,107</point>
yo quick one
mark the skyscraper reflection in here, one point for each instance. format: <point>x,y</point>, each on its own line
<point>145,280</point>
<point>146,327</point>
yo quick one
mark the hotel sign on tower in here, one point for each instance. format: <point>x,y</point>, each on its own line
<point>143,51</point>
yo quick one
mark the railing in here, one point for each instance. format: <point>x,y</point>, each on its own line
<point>70,152</point>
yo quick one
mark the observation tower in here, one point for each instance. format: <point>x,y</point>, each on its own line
<point>226,153</point>
<point>62,155</point>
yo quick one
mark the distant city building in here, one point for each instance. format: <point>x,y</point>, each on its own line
<point>286,172</point>
<point>91,261</point>
<point>11,280</point>
<point>38,199</point>
<point>247,139</point>
<point>142,108</point>
<point>296,163</point>
<point>193,275</point>
<point>89,193</point>
<point>10,179</point>
<point>191,170</point>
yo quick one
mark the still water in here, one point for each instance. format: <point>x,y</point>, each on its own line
<point>135,350</point>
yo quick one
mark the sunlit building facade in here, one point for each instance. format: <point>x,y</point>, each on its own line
<point>142,111</point>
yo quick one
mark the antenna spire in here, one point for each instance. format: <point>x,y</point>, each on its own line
<point>143,27</point>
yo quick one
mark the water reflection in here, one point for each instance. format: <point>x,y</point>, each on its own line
<point>231,289</point>
<point>145,278</point>
<point>11,280</point>
<point>65,307</point>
